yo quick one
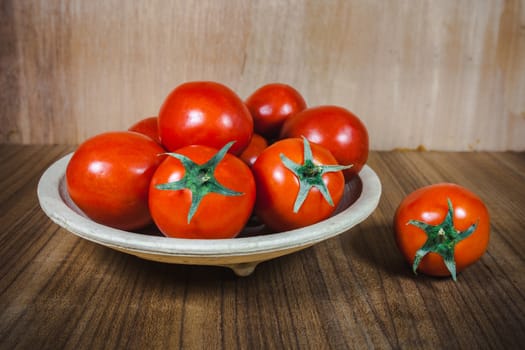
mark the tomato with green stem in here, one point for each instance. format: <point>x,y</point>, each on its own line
<point>441,229</point>
<point>335,128</point>
<point>199,192</point>
<point>298,184</point>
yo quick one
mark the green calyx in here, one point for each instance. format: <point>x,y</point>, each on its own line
<point>199,179</point>
<point>441,239</point>
<point>310,175</point>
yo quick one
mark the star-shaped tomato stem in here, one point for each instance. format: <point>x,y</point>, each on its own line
<point>310,175</point>
<point>441,239</point>
<point>199,179</point>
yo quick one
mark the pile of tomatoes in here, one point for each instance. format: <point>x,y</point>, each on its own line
<point>210,161</point>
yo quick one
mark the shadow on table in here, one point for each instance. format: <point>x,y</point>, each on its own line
<point>130,265</point>
<point>373,243</point>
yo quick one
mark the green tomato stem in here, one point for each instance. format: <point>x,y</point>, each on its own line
<point>199,179</point>
<point>441,239</point>
<point>310,175</point>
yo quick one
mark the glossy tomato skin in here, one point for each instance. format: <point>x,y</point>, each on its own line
<point>271,105</point>
<point>335,128</point>
<point>255,147</point>
<point>277,187</point>
<point>218,216</point>
<point>429,204</point>
<point>108,178</point>
<point>147,126</point>
<point>204,113</point>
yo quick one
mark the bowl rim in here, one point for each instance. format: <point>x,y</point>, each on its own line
<point>51,194</point>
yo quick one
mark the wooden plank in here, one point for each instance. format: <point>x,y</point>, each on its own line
<point>352,291</point>
<point>444,75</point>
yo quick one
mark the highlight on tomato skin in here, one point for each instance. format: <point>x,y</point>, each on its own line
<point>441,229</point>
<point>108,178</point>
<point>204,113</point>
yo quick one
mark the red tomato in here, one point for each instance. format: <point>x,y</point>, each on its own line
<point>255,147</point>
<point>441,229</point>
<point>108,178</point>
<point>198,192</point>
<point>204,113</point>
<point>298,184</point>
<point>271,105</point>
<point>335,128</point>
<point>148,127</point>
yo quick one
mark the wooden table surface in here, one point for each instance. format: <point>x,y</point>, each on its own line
<point>353,291</point>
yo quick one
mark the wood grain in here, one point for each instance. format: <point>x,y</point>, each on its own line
<point>443,75</point>
<point>58,291</point>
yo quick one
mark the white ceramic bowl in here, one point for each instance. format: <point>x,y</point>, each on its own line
<point>241,254</point>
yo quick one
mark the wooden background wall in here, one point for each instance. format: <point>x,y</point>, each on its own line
<point>443,74</point>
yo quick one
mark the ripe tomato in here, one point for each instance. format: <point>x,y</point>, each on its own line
<point>108,178</point>
<point>441,229</point>
<point>148,127</point>
<point>335,128</point>
<point>271,105</point>
<point>204,113</point>
<point>255,147</point>
<point>298,184</point>
<point>198,192</point>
